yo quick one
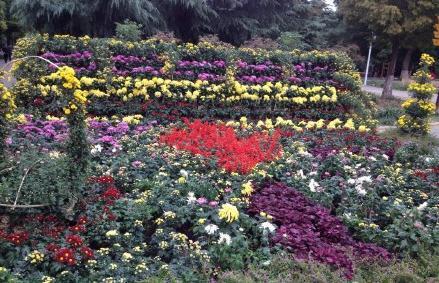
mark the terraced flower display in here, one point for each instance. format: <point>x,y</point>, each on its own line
<point>190,176</point>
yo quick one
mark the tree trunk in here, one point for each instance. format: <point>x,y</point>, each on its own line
<point>405,73</point>
<point>388,84</point>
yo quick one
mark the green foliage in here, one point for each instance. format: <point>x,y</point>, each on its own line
<point>78,157</point>
<point>3,25</point>
<point>235,21</point>
<point>128,30</point>
<point>282,269</point>
<point>391,19</point>
<point>79,17</point>
<point>291,40</point>
<point>41,178</point>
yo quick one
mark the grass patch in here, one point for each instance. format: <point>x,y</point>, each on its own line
<point>427,144</point>
<point>377,82</point>
<point>285,269</point>
<point>388,111</point>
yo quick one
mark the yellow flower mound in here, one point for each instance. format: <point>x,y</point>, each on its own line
<point>423,89</point>
<point>427,106</point>
<point>409,102</point>
<point>427,59</point>
<point>7,102</point>
<point>228,213</point>
<point>67,75</point>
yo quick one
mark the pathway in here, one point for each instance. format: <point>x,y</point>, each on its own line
<point>8,82</point>
<point>378,91</point>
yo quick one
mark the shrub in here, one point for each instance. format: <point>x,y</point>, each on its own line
<point>129,31</point>
<point>419,109</point>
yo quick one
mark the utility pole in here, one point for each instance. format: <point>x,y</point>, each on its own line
<point>368,59</point>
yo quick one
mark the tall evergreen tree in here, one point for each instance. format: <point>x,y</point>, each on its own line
<point>79,17</point>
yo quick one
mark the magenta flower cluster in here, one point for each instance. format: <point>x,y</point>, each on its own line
<point>128,65</point>
<point>312,74</point>
<point>212,71</point>
<point>82,62</point>
<point>310,231</point>
<point>258,73</point>
<point>56,131</point>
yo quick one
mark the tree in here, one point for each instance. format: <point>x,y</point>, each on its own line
<point>397,21</point>
<point>79,17</point>
<point>188,19</point>
<point>3,25</point>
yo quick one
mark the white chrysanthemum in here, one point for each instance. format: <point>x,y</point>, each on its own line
<point>191,199</point>
<point>268,226</point>
<point>313,185</point>
<point>184,173</point>
<point>225,239</point>
<point>423,206</point>
<point>211,229</point>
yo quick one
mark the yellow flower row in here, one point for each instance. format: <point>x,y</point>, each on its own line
<point>300,126</point>
<point>128,88</point>
<point>66,77</point>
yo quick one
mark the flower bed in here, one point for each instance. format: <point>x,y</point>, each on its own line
<point>214,176</point>
<point>153,209</point>
<point>201,74</point>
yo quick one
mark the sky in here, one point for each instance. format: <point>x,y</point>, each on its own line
<point>330,2</point>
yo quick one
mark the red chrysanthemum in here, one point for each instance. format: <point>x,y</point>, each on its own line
<point>66,256</point>
<point>87,253</point>
<point>18,238</point>
<point>74,240</point>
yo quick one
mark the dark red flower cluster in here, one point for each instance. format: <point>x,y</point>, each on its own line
<point>82,220</point>
<point>102,180</point>
<point>78,229</point>
<point>325,143</point>
<point>310,231</point>
<point>52,247</point>
<point>233,154</point>
<point>16,238</point>
<point>66,256</point>
<point>87,253</point>
<point>111,194</point>
<point>74,240</point>
<point>68,243</point>
<point>429,175</point>
<point>53,231</point>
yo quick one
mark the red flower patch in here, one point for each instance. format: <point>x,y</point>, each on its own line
<point>18,238</point>
<point>87,253</point>
<point>233,154</point>
<point>74,240</point>
<point>66,256</point>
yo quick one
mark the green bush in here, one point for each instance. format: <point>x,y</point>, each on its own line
<point>128,30</point>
